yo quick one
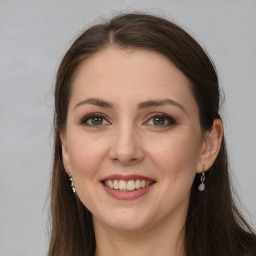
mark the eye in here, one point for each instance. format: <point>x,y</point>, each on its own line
<point>161,120</point>
<point>94,120</point>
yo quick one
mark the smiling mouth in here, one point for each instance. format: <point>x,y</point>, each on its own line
<point>130,185</point>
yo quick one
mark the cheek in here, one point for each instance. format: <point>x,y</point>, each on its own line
<point>176,155</point>
<point>175,158</point>
<point>86,157</point>
<point>86,154</point>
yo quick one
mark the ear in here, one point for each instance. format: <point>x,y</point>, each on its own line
<point>211,146</point>
<point>65,156</point>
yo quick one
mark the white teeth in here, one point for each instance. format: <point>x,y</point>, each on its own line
<point>143,183</point>
<point>122,185</point>
<point>116,184</point>
<point>137,184</point>
<point>130,185</point>
<point>111,185</point>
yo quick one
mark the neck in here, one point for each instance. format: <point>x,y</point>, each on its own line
<point>165,239</point>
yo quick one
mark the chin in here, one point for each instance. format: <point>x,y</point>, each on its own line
<point>124,220</point>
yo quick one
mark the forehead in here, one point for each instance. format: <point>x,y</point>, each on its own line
<point>132,75</point>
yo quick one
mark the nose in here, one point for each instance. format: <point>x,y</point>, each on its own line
<point>126,146</point>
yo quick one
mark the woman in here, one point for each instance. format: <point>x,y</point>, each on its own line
<point>140,164</point>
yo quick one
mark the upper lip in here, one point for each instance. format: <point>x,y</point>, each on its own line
<point>127,177</point>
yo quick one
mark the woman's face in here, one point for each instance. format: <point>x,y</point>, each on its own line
<point>132,140</point>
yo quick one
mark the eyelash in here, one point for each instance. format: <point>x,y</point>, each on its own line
<point>169,119</point>
<point>90,116</point>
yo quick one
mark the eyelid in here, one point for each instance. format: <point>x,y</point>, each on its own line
<point>91,115</point>
<point>169,118</point>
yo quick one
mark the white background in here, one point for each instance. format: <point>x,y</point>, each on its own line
<point>34,35</point>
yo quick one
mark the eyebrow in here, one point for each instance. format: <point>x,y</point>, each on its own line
<point>95,101</point>
<point>142,105</point>
<point>156,103</point>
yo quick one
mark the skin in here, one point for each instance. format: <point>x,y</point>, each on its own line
<point>130,141</point>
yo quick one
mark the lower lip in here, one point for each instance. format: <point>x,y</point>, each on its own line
<point>127,195</point>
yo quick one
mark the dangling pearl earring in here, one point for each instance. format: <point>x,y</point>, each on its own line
<point>72,185</point>
<point>201,187</point>
<point>71,180</point>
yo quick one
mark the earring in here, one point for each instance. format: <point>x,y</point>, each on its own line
<point>71,180</point>
<point>201,187</point>
<point>72,185</point>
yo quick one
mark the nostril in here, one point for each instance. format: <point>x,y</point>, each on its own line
<point>126,156</point>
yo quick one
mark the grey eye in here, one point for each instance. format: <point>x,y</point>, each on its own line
<point>157,120</point>
<point>161,120</point>
<point>94,120</point>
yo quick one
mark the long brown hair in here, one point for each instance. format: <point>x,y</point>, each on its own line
<point>214,226</point>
